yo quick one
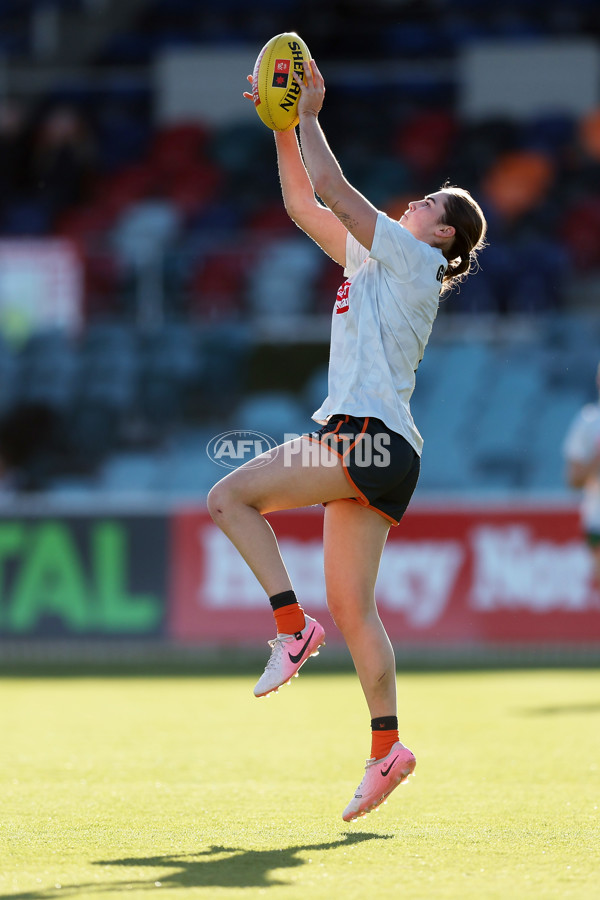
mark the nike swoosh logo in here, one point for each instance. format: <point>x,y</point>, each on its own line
<point>298,656</point>
<point>387,771</point>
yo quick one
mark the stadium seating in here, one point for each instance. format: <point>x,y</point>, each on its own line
<point>188,251</point>
<point>493,411</point>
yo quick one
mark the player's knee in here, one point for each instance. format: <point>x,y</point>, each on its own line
<point>226,496</point>
<point>348,613</point>
<point>218,501</point>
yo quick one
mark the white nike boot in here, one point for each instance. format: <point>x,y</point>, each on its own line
<point>288,653</point>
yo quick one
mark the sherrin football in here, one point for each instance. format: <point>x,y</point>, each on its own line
<point>274,90</point>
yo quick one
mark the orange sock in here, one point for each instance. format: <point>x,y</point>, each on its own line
<point>290,619</point>
<point>384,734</point>
<point>382,742</point>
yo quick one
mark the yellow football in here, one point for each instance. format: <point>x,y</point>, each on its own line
<point>274,90</point>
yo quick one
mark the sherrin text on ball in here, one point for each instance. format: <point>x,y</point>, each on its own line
<point>274,89</point>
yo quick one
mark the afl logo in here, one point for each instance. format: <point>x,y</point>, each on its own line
<point>233,448</point>
<point>342,304</point>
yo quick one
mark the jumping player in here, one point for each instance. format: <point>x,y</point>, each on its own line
<point>395,272</point>
<point>582,453</point>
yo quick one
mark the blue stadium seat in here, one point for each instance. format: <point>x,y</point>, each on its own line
<point>9,376</point>
<point>25,218</point>
<point>547,438</point>
<point>49,369</point>
<point>274,413</point>
<point>446,463</point>
<point>315,390</point>
<point>132,473</point>
<point>109,368</point>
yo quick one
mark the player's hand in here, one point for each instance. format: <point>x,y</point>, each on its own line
<point>313,92</point>
<point>247,94</point>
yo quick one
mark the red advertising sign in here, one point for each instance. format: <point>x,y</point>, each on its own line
<point>449,575</point>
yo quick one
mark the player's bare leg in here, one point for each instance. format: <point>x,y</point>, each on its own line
<point>353,541</point>
<point>354,538</point>
<point>296,474</point>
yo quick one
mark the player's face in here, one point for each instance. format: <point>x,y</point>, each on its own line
<point>422,216</point>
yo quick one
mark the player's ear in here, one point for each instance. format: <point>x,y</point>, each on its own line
<point>444,231</point>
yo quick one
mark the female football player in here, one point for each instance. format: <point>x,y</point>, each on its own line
<point>363,462</point>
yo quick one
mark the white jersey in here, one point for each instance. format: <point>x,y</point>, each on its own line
<point>581,444</point>
<point>382,320</point>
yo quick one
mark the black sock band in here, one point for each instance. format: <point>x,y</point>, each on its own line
<point>285,598</point>
<point>384,723</point>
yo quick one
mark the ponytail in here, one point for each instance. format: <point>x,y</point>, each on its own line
<point>467,218</point>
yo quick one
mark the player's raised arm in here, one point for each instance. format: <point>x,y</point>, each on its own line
<point>299,197</point>
<point>349,206</point>
<point>300,201</point>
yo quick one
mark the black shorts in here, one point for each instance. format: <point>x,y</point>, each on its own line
<point>380,464</point>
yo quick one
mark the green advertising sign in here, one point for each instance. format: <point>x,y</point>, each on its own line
<point>82,576</point>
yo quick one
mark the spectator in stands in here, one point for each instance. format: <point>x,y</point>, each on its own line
<point>63,160</point>
<point>13,150</point>
<point>582,453</point>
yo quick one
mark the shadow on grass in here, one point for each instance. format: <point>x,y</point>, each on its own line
<point>563,709</point>
<point>216,866</point>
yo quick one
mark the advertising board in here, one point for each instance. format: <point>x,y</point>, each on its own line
<point>467,574</point>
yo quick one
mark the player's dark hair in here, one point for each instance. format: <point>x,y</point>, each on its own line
<point>467,218</point>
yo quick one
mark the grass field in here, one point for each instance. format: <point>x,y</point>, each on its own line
<point>185,787</point>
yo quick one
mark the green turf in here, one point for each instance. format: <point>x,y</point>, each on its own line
<point>189,787</point>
